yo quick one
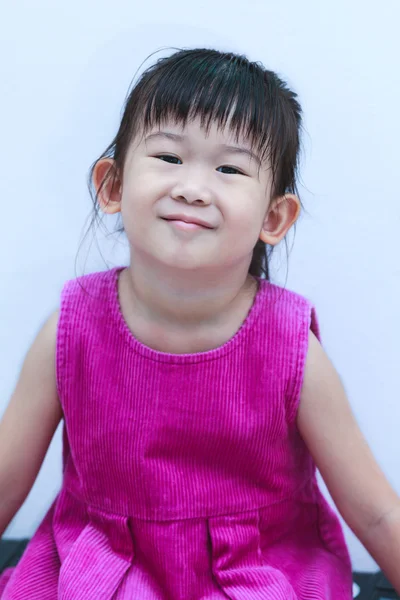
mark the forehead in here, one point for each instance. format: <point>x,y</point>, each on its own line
<point>193,128</point>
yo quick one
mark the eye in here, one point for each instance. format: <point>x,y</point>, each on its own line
<point>169,158</point>
<point>232,169</point>
<point>163,156</point>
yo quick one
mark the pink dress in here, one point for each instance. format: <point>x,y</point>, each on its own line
<point>184,475</point>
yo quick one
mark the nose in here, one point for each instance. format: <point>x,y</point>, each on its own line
<point>192,189</point>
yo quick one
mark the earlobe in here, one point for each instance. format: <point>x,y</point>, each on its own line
<point>107,185</point>
<point>282,213</point>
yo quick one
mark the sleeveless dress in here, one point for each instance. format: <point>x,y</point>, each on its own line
<point>184,476</point>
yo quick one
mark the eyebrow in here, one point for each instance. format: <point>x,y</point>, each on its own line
<point>180,138</point>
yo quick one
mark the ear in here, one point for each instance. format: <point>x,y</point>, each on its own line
<point>108,186</point>
<point>282,214</point>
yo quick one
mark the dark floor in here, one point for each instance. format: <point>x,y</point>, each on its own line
<point>10,552</point>
<point>374,586</point>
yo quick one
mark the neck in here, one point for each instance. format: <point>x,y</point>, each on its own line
<point>186,299</point>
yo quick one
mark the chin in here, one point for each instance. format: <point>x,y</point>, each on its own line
<point>185,263</point>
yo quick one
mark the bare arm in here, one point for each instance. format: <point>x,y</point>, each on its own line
<point>28,423</point>
<point>357,485</point>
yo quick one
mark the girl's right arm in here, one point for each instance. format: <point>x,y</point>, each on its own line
<point>29,423</point>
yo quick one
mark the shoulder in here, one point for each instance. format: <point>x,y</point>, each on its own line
<point>85,302</point>
<point>86,305</point>
<point>292,312</point>
<point>291,321</point>
<point>91,281</point>
<point>282,295</point>
<point>90,290</point>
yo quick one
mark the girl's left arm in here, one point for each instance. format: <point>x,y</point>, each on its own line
<point>360,490</point>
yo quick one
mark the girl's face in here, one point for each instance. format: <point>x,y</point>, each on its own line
<point>174,173</point>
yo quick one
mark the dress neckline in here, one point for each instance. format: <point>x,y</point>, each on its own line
<point>190,358</point>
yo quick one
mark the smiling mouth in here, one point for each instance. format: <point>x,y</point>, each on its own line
<point>185,225</point>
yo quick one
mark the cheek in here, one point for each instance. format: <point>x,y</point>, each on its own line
<point>136,197</point>
<point>142,188</point>
<point>245,216</point>
<point>132,213</point>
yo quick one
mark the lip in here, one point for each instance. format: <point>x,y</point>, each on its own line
<point>189,220</point>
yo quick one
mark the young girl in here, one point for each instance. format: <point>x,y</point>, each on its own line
<point>196,397</point>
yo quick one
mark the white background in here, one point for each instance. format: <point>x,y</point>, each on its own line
<point>65,70</point>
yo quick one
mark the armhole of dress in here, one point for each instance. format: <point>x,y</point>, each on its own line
<point>307,320</point>
<point>60,342</point>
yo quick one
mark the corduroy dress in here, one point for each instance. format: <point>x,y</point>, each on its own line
<point>184,475</point>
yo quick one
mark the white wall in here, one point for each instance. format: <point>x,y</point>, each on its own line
<point>65,70</point>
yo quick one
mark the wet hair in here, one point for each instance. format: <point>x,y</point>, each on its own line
<point>214,86</point>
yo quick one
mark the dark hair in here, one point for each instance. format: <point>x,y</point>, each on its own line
<point>209,84</point>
